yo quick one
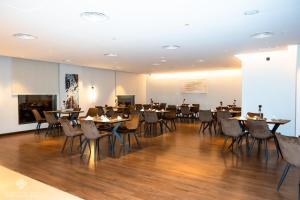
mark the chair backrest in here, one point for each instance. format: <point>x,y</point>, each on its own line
<point>185,110</point>
<point>236,108</point>
<point>100,110</point>
<point>133,124</point>
<point>162,106</point>
<point>231,127</point>
<point>110,111</point>
<point>252,114</point>
<point>205,115</point>
<point>195,108</point>
<point>138,107</point>
<point>89,129</point>
<point>50,118</point>
<point>171,107</point>
<point>92,112</point>
<point>150,116</point>
<point>67,127</point>
<point>222,108</point>
<point>223,115</point>
<point>146,106</point>
<point>37,115</point>
<point>258,128</point>
<point>170,115</point>
<point>290,148</point>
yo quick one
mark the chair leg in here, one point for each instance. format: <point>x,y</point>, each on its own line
<point>137,140</point>
<point>64,145</point>
<point>71,146</point>
<point>225,141</point>
<point>266,150</point>
<point>252,145</point>
<point>128,136</point>
<point>95,149</point>
<point>285,172</point>
<point>200,127</point>
<point>83,150</point>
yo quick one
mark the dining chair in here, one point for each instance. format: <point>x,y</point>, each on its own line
<point>170,117</point>
<point>195,110</point>
<point>162,106</point>
<point>100,110</point>
<point>53,122</point>
<point>290,148</point>
<point>151,122</point>
<point>146,106</point>
<point>138,107</point>
<point>253,115</point>
<point>206,120</point>
<point>109,111</point>
<point>39,119</point>
<point>260,132</point>
<point>222,115</point>
<point>130,129</point>
<point>222,108</point>
<point>232,129</point>
<point>70,133</point>
<point>91,133</point>
<point>185,112</point>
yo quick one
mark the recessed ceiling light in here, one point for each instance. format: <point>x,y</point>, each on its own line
<point>163,60</point>
<point>171,47</point>
<point>200,60</point>
<point>111,54</point>
<point>67,60</point>
<point>155,64</point>
<point>93,16</point>
<point>24,36</point>
<point>186,24</point>
<point>251,12</point>
<point>262,35</point>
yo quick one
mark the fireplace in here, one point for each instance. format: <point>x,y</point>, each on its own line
<point>125,100</point>
<point>40,102</point>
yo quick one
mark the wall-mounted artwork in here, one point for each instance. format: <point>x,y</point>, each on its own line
<point>72,90</point>
<point>195,86</point>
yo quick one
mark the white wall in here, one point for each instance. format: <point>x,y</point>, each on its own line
<point>132,84</point>
<point>221,87</point>
<point>271,84</point>
<point>102,80</point>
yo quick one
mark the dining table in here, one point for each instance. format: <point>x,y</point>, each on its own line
<point>275,122</point>
<point>65,112</point>
<point>116,123</point>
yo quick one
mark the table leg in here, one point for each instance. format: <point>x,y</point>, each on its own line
<point>274,129</point>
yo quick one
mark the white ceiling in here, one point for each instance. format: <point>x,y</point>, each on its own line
<point>137,30</point>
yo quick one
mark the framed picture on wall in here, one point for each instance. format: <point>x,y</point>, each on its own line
<point>72,91</point>
<point>198,86</point>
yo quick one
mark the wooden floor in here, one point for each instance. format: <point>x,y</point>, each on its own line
<point>178,165</point>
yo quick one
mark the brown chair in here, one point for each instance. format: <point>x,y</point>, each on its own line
<point>52,121</point>
<point>222,115</point>
<point>259,131</point>
<point>146,106</point>
<point>151,121</point>
<point>290,148</point>
<point>92,112</point>
<point>206,120</point>
<point>195,110</point>
<point>185,112</point>
<point>39,119</point>
<point>130,128</point>
<point>232,129</point>
<point>138,107</point>
<point>70,132</point>
<point>162,106</point>
<point>171,107</point>
<point>171,117</point>
<point>74,116</point>
<point>222,108</point>
<point>91,133</point>
<point>110,111</point>
<point>100,110</point>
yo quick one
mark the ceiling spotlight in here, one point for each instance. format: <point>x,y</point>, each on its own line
<point>24,36</point>
<point>262,35</point>
<point>111,54</point>
<point>155,64</point>
<point>251,12</point>
<point>171,47</point>
<point>93,16</point>
<point>163,60</point>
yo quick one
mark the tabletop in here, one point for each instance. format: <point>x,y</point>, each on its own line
<point>269,121</point>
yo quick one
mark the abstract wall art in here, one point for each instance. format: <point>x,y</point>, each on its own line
<point>72,91</point>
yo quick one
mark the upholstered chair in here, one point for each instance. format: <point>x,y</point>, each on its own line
<point>222,115</point>
<point>290,148</point>
<point>130,129</point>
<point>171,117</point>
<point>39,119</point>
<point>232,129</point>
<point>91,133</point>
<point>151,122</point>
<point>260,132</point>
<point>52,121</point>
<point>206,121</point>
<point>70,133</point>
